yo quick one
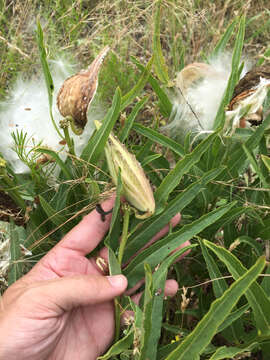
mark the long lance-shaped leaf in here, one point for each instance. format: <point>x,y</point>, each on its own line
<point>147,311</point>
<point>160,139</point>
<point>151,227</point>
<point>237,52</point>
<point>219,284</point>
<point>17,235</point>
<point>229,352</point>
<point>63,166</point>
<point>56,217</point>
<point>47,73</point>
<point>156,253</point>
<point>165,103</point>
<point>256,296</point>
<point>136,90</point>
<point>130,120</point>
<point>119,347</point>
<point>237,159</point>
<point>159,61</point>
<point>256,167</point>
<point>97,142</point>
<point>263,58</point>
<point>112,239</point>
<point>182,167</point>
<point>195,343</point>
<point>237,314</point>
<point>233,214</point>
<point>221,45</point>
<point>159,280</point>
<point>266,161</point>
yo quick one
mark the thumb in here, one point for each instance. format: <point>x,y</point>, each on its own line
<point>69,292</point>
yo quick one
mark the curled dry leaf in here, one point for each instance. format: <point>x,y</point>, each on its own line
<point>77,92</point>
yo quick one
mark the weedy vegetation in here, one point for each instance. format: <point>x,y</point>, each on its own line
<point>220,183</point>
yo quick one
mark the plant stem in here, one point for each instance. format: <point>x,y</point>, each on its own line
<point>117,315</point>
<point>69,141</point>
<point>117,303</point>
<point>124,234</point>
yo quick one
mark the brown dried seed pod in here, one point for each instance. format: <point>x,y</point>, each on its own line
<point>240,97</point>
<point>252,79</point>
<point>245,88</point>
<point>77,92</point>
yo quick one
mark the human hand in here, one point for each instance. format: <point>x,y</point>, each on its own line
<point>63,308</point>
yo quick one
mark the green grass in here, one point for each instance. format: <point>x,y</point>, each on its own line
<point>219,183</point>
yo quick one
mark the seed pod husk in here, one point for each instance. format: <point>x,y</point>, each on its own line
<point>77,92</point>
<point>245,107</point>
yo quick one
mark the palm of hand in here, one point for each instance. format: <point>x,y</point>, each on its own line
<point>82,332</point>
<point>63,308</point>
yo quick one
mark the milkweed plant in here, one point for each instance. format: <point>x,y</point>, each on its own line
<point>203,151</point>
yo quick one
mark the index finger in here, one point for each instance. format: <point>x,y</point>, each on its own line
<point>85,236</point>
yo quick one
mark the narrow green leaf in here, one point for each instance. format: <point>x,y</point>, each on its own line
<point>159,280</point>
<point>130,119</point>
<point>237,158</point>
<point>266,161</point>
<point>47,73</point>
<point>195,343</point>
<point>147,311</point>
<point>44,63</point>
<point>150,158</point>
<point>119,347</point>
<point>226,220</point>
<point>256,296</point>
<point>229,352</point>
<point>221,45</point>
<point>17,236</point>
<point>159,61</point>
<point>162,248</point>
<point>97,142</point>
<point>114,266</point>
<point>165,103</point>
<point>266,281</point>
<point>234,77</point>
<point>65,169</point>
<point>164,351</point>
<point>219,285</point>
<point>55,216</point>
<point>151,227</point>
<point>136,90</point>
<point>182,167</point>
<point>255,166</point>
<point>237,314</point>
<point>251,242</point>
<point>263,58</point>
<point>112,240</point>
<point>160,139</point>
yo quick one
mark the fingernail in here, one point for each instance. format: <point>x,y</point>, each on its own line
<point>117,280</point>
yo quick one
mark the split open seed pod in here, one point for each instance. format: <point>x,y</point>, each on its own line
<point>245,107</point>
<point>136,187</point>
<point>77,92</point>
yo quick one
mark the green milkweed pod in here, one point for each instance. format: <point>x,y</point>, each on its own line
<point>136,187</point>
